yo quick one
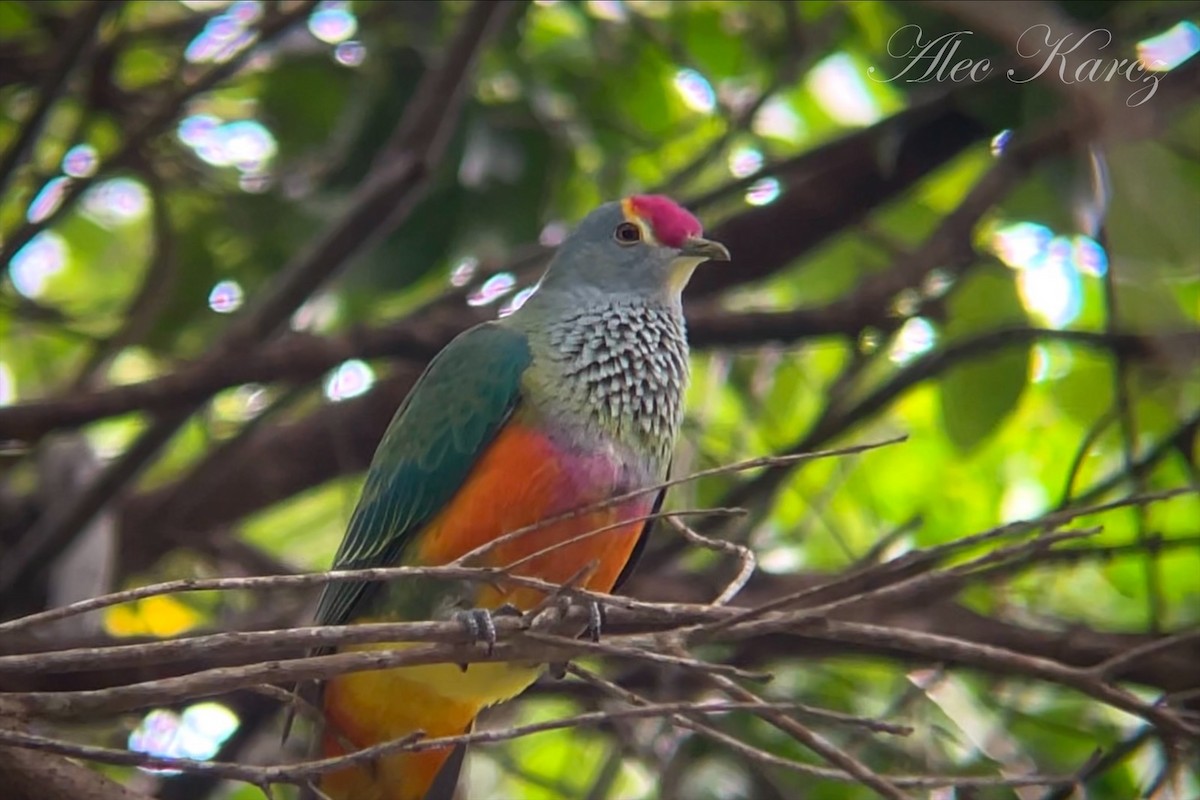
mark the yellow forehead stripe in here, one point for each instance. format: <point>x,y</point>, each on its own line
<point>631,215</point>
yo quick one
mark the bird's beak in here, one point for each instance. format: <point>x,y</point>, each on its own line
<point>704,249</point>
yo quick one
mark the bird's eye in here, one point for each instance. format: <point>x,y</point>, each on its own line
<point>628,233</point>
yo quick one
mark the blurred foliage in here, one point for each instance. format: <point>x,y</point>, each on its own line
<point>577,103</point>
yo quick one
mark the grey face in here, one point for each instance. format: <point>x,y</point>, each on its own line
<point>609,254</point>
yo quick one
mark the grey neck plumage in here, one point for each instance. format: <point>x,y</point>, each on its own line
<point>621,368</point>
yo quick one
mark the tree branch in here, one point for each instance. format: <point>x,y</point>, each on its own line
<point>71,51</point>
<point>27,774</point>
<point>380,204</point>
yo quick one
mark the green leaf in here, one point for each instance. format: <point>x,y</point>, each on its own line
<point>977,395</point>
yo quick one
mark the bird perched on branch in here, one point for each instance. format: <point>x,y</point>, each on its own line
<point>573,399</point>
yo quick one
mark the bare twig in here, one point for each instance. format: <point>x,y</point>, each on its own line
<point>762,757</point>
<point>746,559</point>
<point>302,772</point>
<point>833,755</point>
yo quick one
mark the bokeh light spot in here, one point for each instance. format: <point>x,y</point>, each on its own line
<point>517,301</point>
<point>463,271</point>
<point>763,192</point>
<point>198,129</point>
<point>226,297</point>
<point>782,559</point>
<point>350,379</point>
<point>1089,256</point>
<point>915,337</point>
<point>906,303</point>
<point>34,264</point>
<point>745,161</point>
<point>1049,361</point>
<point>838,85</point>
<point>695,91</point>
<point>1023,499</point>
<point>936,284</point>
<point>1000,141</point>
<point>1053,290</point>
<point>246,144</point>
<point>1049,267</point>
<point>1170,48</point>
<point>226,34</point>
<point>119,201</point>
<point>333,22</point>
<point>493,289</point>
<point>778,120</point>
<point>48,199</point>
<point>1022,245</point>
<point>197,733</point>
<point>80,161</point>
<point>350,54</point>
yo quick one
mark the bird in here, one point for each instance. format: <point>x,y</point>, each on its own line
<point>573,399</point>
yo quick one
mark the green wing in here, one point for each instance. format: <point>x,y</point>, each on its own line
<point>453,412</point>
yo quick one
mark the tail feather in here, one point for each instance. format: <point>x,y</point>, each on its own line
<point>445,784</point>
<point>306,694</point>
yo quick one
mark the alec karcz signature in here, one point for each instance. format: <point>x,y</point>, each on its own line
<point>937,60</point>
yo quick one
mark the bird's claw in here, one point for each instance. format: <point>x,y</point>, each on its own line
<point>596,621</point>
<point>481,626</point>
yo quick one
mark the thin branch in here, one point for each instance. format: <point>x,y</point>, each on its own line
<point>1090,438</point>
<point>916,585</point>
<point>830,753</point>
<point>299,773</point>
<point>1114,665</point>
<point>900,568</point>
<point>746,559</point>
<point>762,757</point>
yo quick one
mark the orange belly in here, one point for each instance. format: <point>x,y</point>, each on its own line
<point>520,480</point>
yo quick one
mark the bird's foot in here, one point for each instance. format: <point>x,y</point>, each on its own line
<point>595,624</point>
<point>481,626</point>
<point>596,621</point>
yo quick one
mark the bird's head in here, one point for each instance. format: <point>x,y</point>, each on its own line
<point>644,245</point>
